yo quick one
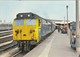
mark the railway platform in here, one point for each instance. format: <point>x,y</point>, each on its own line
<point>56,45</point>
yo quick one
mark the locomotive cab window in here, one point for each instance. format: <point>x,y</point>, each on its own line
<point>31,22</point>
<point>19,22</point>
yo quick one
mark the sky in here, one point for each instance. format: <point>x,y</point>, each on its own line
<point>55,10</point>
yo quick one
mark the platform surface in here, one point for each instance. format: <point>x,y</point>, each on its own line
<point>56,45</point>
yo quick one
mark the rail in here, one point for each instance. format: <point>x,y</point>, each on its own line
<point>5,31</point>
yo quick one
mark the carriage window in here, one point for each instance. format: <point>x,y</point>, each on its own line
<point>19,22</point>
<point>31,22</point>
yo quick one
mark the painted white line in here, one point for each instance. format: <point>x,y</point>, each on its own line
<point>2,44</point>
<point>46,50</point>
<point>6,31</point>
<point>6,36</point>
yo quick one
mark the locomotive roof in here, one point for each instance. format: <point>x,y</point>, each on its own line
<point>29,15</point>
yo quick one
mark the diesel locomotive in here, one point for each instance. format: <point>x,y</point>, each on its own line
<point>29,29</point>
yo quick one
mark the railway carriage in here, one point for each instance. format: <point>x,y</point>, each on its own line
<point>29,29</point>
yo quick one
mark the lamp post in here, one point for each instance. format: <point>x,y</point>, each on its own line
<point>77,27</point>
<point>67,18</point>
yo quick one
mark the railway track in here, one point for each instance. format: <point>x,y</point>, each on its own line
<point>5,36</point>
<point>6,46</point>
<point>22,53</point>
<point>9,52</point>
<point>4,33</point>
<point>5,29</point>
<point>17,54</point>
<point>6,41</point>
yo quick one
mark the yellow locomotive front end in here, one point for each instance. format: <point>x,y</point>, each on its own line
<point>25,29</point>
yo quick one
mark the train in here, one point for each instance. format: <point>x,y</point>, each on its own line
<point>29,29</point>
